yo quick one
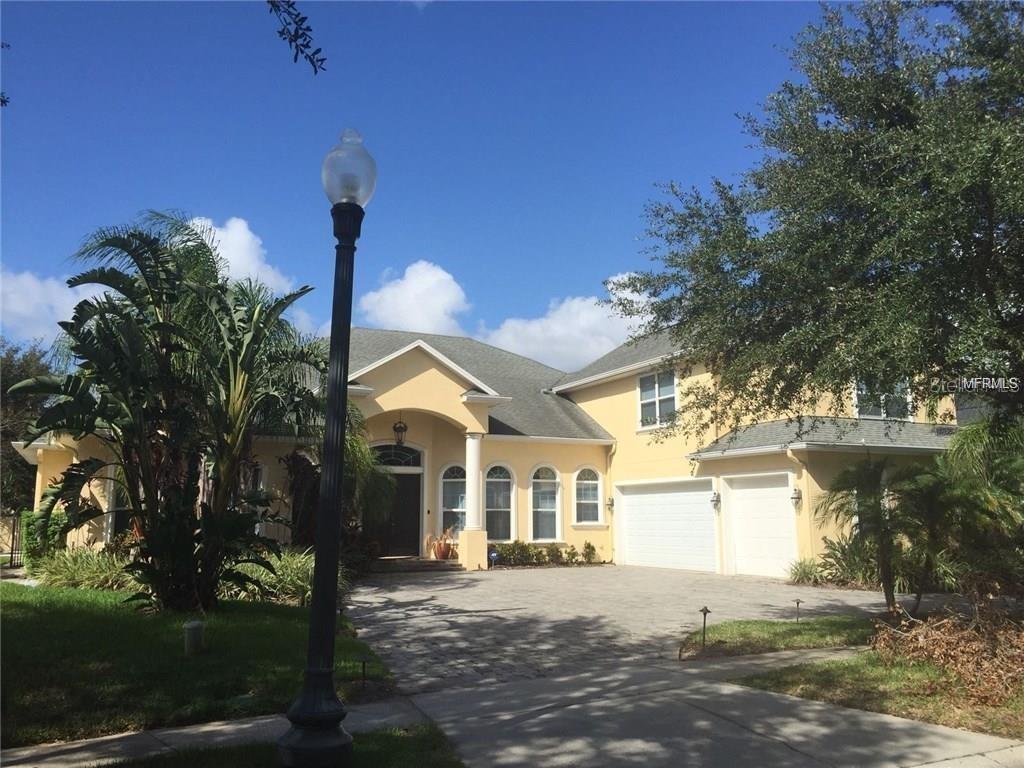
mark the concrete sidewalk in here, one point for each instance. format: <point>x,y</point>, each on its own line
<point>392,713</point>
<point>676,715</point>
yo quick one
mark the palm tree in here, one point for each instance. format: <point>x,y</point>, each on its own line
<point>174,368</point>
<point>933,505</point>
<point>128,391</point>
<point>857,498</point>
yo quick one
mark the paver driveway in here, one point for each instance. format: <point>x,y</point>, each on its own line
<point>440,631</point>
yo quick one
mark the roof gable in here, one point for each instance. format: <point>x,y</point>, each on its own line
<point>425,347</point>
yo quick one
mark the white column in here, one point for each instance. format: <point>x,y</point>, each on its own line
<point>474,521</point>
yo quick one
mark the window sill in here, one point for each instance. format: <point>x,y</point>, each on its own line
<point>651,428</point>
<point>590,526</point>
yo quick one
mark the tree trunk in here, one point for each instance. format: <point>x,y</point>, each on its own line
<point>887,575</point>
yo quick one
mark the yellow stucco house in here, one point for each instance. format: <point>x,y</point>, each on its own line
<point>501,447</point>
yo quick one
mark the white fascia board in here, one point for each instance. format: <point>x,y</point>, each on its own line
<point>613,374</point>
<point>477,397</point>
<point>359,390</point>
<point>420,344</point>
<point>548,439</point>
<point>728,453</point>
<point>854,447</point>
<point>824,447</point>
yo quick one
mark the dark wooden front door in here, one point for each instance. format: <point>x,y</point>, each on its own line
<point>402,534</point>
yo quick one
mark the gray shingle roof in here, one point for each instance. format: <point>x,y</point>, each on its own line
<point>632,352</point>
<point>870,433</point>
<point>533,410</point>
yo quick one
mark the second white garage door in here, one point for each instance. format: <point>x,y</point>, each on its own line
<point>669,525</point>
<point>763,524</point>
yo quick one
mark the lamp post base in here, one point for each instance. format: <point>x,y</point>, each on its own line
<point>304,747</point>
<point>316,738</point>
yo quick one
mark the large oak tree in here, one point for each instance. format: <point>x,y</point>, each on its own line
<point>878,237</point>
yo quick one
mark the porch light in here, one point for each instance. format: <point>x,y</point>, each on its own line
<point>400,428</point>
<point>796,496</point>
<point>349,174</point>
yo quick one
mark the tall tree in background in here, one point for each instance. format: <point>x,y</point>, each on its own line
<point>18,478</point>
<point>880,234</point>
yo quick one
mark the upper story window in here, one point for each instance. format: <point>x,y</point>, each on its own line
<point>657,398</point>
<point>498,503</point>
<point>588,496</point>
<point>544,499</point>
<point>453,499</point>
<point>871,403</point>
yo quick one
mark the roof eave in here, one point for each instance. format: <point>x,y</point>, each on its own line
<point>613,374</point>
<point>729,453</point>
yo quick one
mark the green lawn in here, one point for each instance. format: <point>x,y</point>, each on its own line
<point>79,663</point>
<point>738,638</point>
<point>919,692</point>
<point>423,746</point>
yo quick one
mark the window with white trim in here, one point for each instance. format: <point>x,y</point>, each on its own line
<point>544,499</point>
<point>453,499</point>
<point>588,496</point>
<point>871,403</point>
<point>657,398</point>
<point>498,503</point>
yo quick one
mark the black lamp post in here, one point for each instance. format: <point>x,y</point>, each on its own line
<point>317,738</point>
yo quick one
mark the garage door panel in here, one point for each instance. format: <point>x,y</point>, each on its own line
<point>763,524</point>
<point>670,526</point>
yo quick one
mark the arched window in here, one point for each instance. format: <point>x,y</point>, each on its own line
<point>588,496</point>
<point>544,500</point>
<point>453,499</point>
<point>498,503</point>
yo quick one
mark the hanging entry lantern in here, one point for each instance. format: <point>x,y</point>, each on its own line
<point>400,428</point>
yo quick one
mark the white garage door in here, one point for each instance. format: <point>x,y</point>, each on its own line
<point>669,526</point>
<point>763,524</point>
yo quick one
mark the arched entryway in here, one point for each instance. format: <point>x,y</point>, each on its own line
<point>398,530</point>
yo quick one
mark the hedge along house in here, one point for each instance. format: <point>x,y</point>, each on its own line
<point>499,447</point>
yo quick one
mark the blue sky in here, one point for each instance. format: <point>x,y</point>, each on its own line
<point>517,145</point>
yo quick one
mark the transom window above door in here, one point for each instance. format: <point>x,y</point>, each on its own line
<point>657,398</point>
<point>498,503</point>
<point>453,499</point>
<point>397,456</point>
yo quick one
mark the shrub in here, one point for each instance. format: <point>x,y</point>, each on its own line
<point>40,537</point>
<point>554,554</point>
<point>290,583</point>
<point>572,557</point>
<point>589,553</point>
<point>850,561</point>
<point>539,555</point>
<point>84,567</point>
<point>805,571</point>
<point>514,553</point>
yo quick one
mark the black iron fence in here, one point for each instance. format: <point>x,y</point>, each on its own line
<point>13,545</point>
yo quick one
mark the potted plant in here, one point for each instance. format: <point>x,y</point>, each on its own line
<point>443,547</point>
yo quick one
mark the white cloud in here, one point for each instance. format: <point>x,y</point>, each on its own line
<point>574,331</point>
<point>425,298</point>
<point>31,306</point>
<point>244,253</point>
<point>306,323</point>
